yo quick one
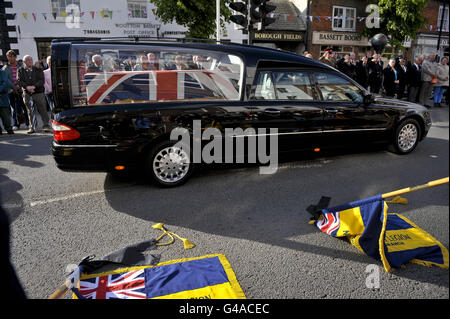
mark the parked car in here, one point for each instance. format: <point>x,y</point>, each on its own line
<point>119,115</point>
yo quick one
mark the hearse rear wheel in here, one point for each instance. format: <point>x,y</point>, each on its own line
<point>169,165</point>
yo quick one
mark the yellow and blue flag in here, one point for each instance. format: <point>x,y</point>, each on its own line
<point>207,277</point>
<point>388,237</point>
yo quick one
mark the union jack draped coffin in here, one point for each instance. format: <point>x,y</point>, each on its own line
<point>139,86</point>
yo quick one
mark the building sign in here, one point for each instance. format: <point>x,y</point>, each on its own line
<point>96,32</point>
<point>339,38</point>
<point>277,36</point>
<point>431,40</point>
<point>139,29</point>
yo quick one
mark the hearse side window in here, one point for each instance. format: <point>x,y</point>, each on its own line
<point>284,85</point>
<point>336,88</point>
<point>106,74</point>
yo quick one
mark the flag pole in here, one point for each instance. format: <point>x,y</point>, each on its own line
<point>436,182</point>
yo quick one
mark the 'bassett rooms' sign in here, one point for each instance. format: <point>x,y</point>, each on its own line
<point>348,38</point>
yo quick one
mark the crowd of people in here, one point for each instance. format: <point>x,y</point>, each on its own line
<point>25,92</point>
<point>417,81</point>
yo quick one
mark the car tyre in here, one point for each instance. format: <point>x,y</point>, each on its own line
<point>168,164</point>
<point>406,137</point>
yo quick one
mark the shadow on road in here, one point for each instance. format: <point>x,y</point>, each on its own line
<point>10,199</point>
<point>271,209</point>
<point>21,147</point>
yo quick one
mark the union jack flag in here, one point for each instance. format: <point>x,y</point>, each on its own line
<point>156,86</point>
<point>330,223</point>
<point>128,285</point>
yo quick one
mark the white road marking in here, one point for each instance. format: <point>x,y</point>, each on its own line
<point>76,195</point>
<point>9,141</point>
<point>57,199</point>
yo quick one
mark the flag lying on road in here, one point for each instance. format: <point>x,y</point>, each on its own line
<point>388,237</point>
<point>207,277</point>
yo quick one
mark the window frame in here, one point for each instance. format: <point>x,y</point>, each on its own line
<point>59,18</point>
<point>344,19</point>
<point>142,3</point>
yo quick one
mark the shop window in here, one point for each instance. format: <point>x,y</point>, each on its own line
<point>344,18</point>
<point>43,48</point>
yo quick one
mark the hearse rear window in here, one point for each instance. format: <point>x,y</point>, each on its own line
<point>106,74</point>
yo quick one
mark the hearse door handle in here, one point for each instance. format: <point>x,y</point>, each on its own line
<point>272,111</point>
<point>331,111</point>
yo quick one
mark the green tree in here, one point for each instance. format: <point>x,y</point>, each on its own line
<point>400,19</point>
<point>199,16</point>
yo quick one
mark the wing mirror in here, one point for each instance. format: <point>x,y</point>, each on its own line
<point>369,99</point>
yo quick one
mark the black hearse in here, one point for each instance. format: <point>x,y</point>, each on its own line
<point>117,103</point>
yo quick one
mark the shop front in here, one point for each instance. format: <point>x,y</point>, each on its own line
<point>427,43</point>
<point>287,33</point>
<point>342,43</point>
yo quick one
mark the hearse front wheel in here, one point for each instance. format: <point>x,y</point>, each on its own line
<point>406,137</point>
<point>169,165</point>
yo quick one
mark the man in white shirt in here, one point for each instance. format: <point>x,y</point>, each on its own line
<point>428,72</point>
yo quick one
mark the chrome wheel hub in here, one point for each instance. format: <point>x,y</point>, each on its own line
<point>171,164</point>
<point>407,137</point>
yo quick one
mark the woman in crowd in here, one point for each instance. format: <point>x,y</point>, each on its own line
<point>442,84</point>
<point>391,79</point>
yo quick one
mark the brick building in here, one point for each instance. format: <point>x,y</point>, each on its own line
<point>337,24</point>
<point>427,38</point>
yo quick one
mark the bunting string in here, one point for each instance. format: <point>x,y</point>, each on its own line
<point>108,14</point>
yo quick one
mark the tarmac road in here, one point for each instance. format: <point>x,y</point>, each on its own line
<point>258,221</point>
